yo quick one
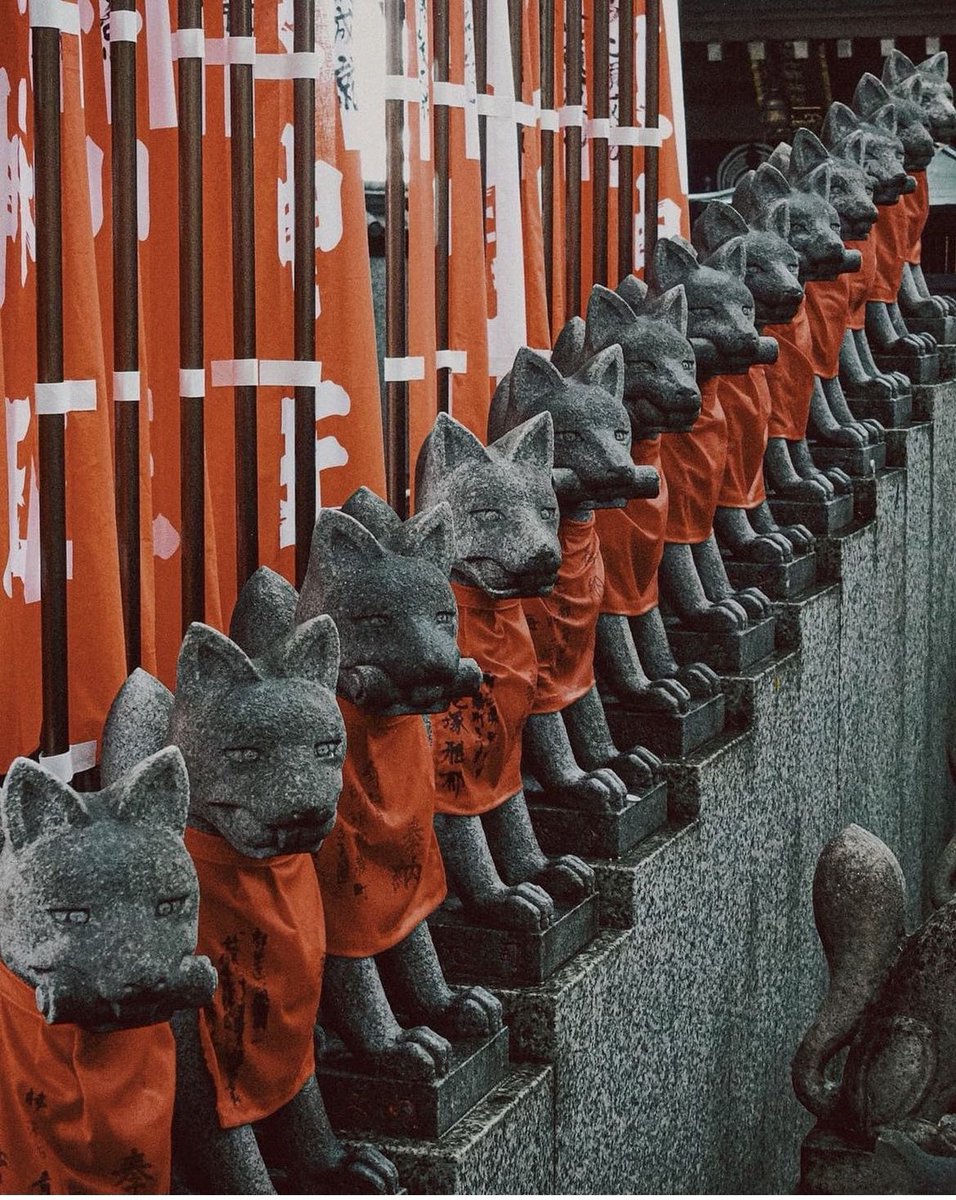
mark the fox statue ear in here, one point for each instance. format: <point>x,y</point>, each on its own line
<point>817,183</point>
<point>531,443</point>
<point>768,186</point>
<point>808,152</point>
<point>672,264</point>
<point>718,223</point>
<point>209,662</point>
<point>34,803</point>
<point>337,540</point>
<point>777,221</point>
<point>672,308</point>
<point>870,95</point>
<point>887,119</point>
<point>430,535</point>
<point>447,446</point>
<point>606,371</point>
<point>312,652</point>
<point>730,257</point>
<point>838,124</point>
<point>936,66</point>
<point>156,791</point>
<point>608,313</point>
<point>780,157</point>
<point>634,291</point>
<point>855,146</point>
<point>264,612</point>
<point>897,67</point>
<point>534,383</point>
<point>568,352</point>
<point>910,89</point>
<point>376,514</point>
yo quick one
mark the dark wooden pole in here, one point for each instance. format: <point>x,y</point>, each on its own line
<point>191,348</point>
<point>55,733</point>
<point>442,211</point>
<point>396,391</point>
<point>625,154</point>
<point>652,67</point>
<point>479,13</point>
<point>546,42</point>
<point>573,91</point>
<point>242,161</point>
<point>600,153</point>
<point>126,324</point>
<point>303,166</point>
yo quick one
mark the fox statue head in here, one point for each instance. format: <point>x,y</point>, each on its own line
<point>927,84</point>
<point>912,122</point>
<point>883,150</point>
<point>851,189</point>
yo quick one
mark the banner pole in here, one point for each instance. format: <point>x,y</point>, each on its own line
<point>574,75</point>
<point>625,154</point>
<point>600,111</point>
<point>546,42</point>
<point>442,211</point>
<point>652,121</point>
<point>396,391</point>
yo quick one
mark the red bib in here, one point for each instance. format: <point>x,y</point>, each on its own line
<point>693,465</point>
<point>790,379</point>
<point>860,283</point>
<point>917,213</point>
<point>261,923</point>
<point>380,868</point>
<point>81,1112</point>
<point>827,304</point>
<point>477,743</point>
<point>890,236</point>
<point>564,624</point>
<point>745,400</point>
<point>632,542</point>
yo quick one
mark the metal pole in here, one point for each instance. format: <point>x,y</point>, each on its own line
<point>480,16</point>
<point>546,41</point>
<point>396,391</point>
<point>191,349</point>
<point>600,110</point>
<point>652,121</point>
<point>625,154</point>
<point>442,212</point>
<point>126,327</point>
<point>55,733</point>
<point>242,161</point>
<point>574,77</point>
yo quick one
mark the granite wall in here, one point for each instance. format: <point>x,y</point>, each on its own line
<point>658,1059</point>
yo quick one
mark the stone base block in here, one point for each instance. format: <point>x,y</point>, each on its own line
<point>504,1146</point>
<point>947,359</point>
<point>942,328</point>
<point>927,396</point>
<point>778,580</point>
<point>734,651</point>
<point>669,735</point>
<point>892,412</point>
<point>829,1165</point>
<point>478,954</point>
<point>599,835</point>
<point>855,460</point>
<point>918,368</point>
<point>822,517</point>
<point>367,1102</point>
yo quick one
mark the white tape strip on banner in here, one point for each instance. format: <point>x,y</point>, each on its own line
<point>571,114</point>
<point>55,14</point>
<point>126,387</point>
<point>300,64</point>
<point>124,25</point>
<point>455,360</point>
<point>188,43</point>
<point>402,87</point>
<point>234,372</point>
<point>70,395</point>
<point>404,370</point>
<point>550,119</point>
<point>496,106</point>
<point>287,372</point>
<point>599,127</point>
<point>231,51</point>
<point>79,757</point>
<point>526,114</point>
<point>192,383</point>
<point>635,135</point>
<point>449,95</point>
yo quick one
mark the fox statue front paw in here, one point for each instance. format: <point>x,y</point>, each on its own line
<point>755,603</point>
<point>700,680</point>
<point>471,1013</point>
<point>638,768</point>
<point>805,489</point>
<point>600,791</point>
<point>567,879</point>
<point>417,1053</point>
<point>766,548</point>
<point>525,907</point>
<point>799,537</point>
<point>726,616</point>
<point>361,1171</point>
<point>660,696</point>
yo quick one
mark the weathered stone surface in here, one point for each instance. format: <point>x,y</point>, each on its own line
<point>732,651</point>
<point>859,460</point>
<point>671,735</point>
<point>891,412</point>
<point>820,517</point>
<point>600,835</point>
<point>778,580</point>
<point>919,368</point>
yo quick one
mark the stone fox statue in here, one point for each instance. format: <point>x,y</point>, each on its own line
<point>567,743</point>
<point>98,915</point>
<point>891,1000</point>
<point>263,743</point>
<point>385,584</point>
<point>661,396</point>
<point>506,532</point>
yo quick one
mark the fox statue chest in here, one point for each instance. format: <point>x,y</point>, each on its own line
<point>693,465</point>
<point>892,242</point>
<point>81,1112</point>
<point>261,923</point>
<point>745,400</point>
<point>916,207</point>
<point>632,541</point>
<point>791,377</point>
<point>564,625</point>
<point>380,869</point>
<point>476,744</point>
<point>827,303</point>
<point>860,283</point>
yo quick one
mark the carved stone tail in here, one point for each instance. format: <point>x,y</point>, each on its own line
<point>859,908</point>
<point>136,726</point>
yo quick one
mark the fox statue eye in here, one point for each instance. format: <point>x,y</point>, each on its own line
<point>487,514</point>
<point>376,620</point>
<point>622,435</point>
<point>242,754</point>
<point>326,749</point>
<point>70,916</point>
<point>549,513</point>
<point>689,364</point>
<point>566,435</point>
<point>445,617</point>
<point>171,907</point>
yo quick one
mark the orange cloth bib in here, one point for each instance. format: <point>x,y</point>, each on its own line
<point>917,211</point>
<point>790,379</point>
<point>81,1112</point>
<point>261,923</point>
<point>564,624</point>
<point>477,744</point>
<point>693,465</point>
<point>380,868</point>
<point>890,236</point>
<point>632,542</point>
<point>827,303</point>
<point>745,400</point>
<point>860,283</point>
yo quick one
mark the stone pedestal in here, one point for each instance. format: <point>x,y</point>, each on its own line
<point>669,735</point>
<point>855,460</point>
<point>918,368</point>
<point>822,517</point>
<point>734,651</point>
<point>891,412</point>
<point>927,395</point>
<point>562,830</point>
<point>947,360</point>
<point>943,329</point>
<point>369,1102</point>
<point>478,954</point>
<point>829,1165</point>
<point>779,580</point>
